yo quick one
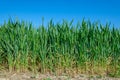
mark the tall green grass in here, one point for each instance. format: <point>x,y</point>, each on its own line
<point>82,48</point>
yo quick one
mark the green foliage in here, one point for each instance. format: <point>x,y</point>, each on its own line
<point>86,46</point>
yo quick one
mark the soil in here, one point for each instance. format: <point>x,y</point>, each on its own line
<point>32,76</point>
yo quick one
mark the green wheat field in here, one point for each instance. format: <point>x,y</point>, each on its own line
<point>87,48</point>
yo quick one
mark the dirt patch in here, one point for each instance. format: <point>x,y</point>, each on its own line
<point>38,76</point>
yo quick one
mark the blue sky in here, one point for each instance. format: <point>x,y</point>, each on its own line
<point>33,10</point>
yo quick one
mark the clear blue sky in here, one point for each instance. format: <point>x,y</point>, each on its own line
<point>34,10</point>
